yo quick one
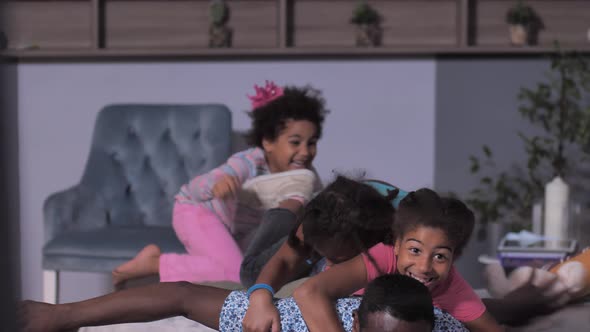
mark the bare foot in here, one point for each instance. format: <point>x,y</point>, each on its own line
<point>146,262</point>
<point>39,317</point>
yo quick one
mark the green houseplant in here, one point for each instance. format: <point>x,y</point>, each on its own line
<point>220,35</point>
<point>524,24</point>
<point>368,25</point>
<point>560,108</point>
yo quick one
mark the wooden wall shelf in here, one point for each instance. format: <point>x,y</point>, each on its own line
<point>46,29</point>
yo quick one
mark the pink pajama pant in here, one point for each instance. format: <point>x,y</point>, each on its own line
<point>212,252</point>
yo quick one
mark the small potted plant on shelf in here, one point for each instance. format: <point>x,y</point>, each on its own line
<point>368,25</point>
<point>524,24</point>
<point>220,35</point>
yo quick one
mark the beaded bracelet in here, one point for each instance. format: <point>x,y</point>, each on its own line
<point>260,286</point>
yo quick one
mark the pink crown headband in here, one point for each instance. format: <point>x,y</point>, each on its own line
<point>266,94</point>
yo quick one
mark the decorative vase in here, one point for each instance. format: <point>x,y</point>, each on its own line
<point>220,36</point>
<point>557,206</point>
<point>518,35</point>
<point>368,35</point>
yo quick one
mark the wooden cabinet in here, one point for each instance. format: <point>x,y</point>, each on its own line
<point>185,24</point>
<point>325,23</point>
<point>120,28</point>
<point>59,25</point>
<point>565,21</point>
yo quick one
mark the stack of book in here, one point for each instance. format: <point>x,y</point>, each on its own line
<point>540,253</point>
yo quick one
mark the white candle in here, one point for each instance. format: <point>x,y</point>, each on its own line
<point>556,209</point>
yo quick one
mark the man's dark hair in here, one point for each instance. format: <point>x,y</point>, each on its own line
<point>399,296</point>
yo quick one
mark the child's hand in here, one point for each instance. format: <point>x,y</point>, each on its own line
<point>227,185</point>
<point>262,315</point>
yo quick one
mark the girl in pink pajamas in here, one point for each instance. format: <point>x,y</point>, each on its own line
<point>217,213</point>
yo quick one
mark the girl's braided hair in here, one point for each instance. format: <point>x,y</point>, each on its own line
<point>269,120</point>
<point>425,207</point>
<point>347,212</point>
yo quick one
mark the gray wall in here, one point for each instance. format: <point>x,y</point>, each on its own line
<point>476,104</point>
<point>382,120</point>
<point>410,122</point>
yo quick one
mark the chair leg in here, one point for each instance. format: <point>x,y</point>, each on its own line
<point>51,286</point>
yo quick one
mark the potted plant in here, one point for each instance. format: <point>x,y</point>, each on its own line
<point>220,35</point>
<point>560,109</point>
<point>504,199</point>
<point>524,24</point>
<point>368,25</point>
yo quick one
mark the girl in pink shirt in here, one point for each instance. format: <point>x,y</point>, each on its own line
<point>214,216</point>
<point>430,234</point>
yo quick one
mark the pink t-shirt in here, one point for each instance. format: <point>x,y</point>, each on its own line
<point>453,295</point>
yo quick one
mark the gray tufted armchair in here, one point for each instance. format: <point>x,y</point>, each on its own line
<point>139,158</point>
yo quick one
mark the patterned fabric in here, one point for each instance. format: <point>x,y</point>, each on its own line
<point>235,306</point>
<point>443,321</point>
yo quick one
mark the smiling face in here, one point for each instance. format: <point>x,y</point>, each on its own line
<point>294,148</point>
<point>425,254</point>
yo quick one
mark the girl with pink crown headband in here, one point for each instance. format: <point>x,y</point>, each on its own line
<point>217,213</point>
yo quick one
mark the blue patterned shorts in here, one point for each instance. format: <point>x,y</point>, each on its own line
<point>235,306</point>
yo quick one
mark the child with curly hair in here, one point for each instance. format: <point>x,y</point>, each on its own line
<point>270,238</point>
<point>216,214</point>
<point>324,237</point>
<point>430,234</point>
